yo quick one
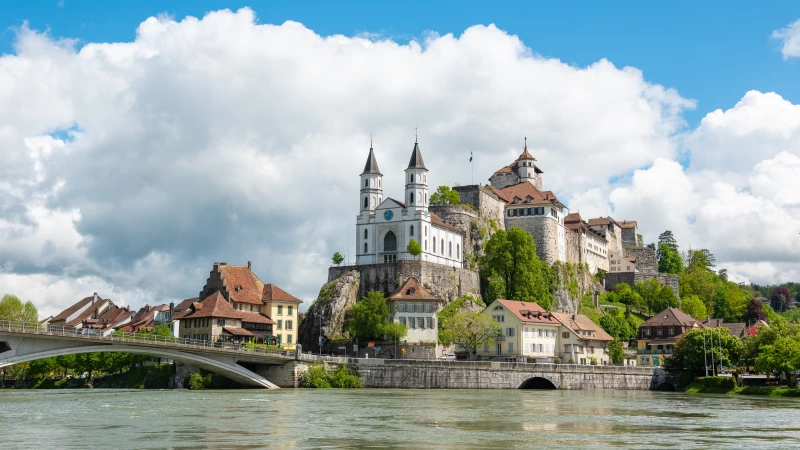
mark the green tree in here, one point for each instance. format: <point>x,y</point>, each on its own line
<point>783,356</point>
<point>42,368</point>
<point>369,319</point>
<point>669,261</point>
<point>414,248</point>
<point>695,349</point>
<point>656,296</point>
<point>445,196</point>
<point>627,296</point>
<point>666,238</point>
<point>468,330</point>
<point>337,258</point>
<point>615,352</point>
<point>616,323</point>
<point>693,306</point>
<point>512,270</point>
<point>12,309</point>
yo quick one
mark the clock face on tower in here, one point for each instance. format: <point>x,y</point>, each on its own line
<point>388,215</point>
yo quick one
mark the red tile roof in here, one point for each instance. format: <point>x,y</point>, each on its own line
<point>242,284</point>
<point>274,293</point>
<point>215,306</point>
<point>411,290</point>
<point>670,317</point>
<point>237,331</point>
<point>524,190</point>
<point>577,323</point>
<point>627,224</point>
<point>528,312</point>
<point>525,154</point>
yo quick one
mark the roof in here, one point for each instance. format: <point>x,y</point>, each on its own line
<point>525,154</point>
<point>528,312</point>
<point>670,316</point>
<point>524,190</point>
<point>72,309</point>
<point>372,164</point>
<point>215,306</point>
<point>573,218</point>
<point>511,168</point>
<point>95,308</point>
<point>416,158</point>
<point>437,221</point>
<point>753,329</point>
<point>411,290</point>
<point>273,293</point>
<point>627,224</point>
<point>578,323</point>
<point>600,221</point>
<point>237,331</point>
<point>180,307</point>
<point>736,329</point>
<point>631,259</point>
<point>242,284</point>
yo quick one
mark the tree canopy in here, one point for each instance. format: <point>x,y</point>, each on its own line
<point>12,309</point>
<point>780,298</point>
<point>370,318</point>
<point>512,270</point>
<point>414,248</point>
<point>619,325</point>
<point>693,306</point>
<point>669,261</point>
<point>337,258</point>
<point>698,348</point>
<point>445,196</point>
<point>468,329</point>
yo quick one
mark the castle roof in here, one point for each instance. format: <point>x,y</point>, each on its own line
<point>411,290</point>
<point>572,218</point>
<point>372,164</point>
<point>525,154</point>
<point>522,191</point>
<point>627,224</point>
<point>416,159</point>
<point>512,168</point>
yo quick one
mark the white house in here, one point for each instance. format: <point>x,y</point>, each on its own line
<point>413,306</point>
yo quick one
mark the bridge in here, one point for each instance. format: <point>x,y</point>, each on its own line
<point>23,342</point>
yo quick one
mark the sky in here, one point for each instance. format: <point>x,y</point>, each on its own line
<point>145,140</point>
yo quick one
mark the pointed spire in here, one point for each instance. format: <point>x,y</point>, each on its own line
<point>525,154</point>
<point>416,158</point>
<point>372,164</point>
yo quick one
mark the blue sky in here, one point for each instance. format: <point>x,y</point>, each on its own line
<point>710,51</point>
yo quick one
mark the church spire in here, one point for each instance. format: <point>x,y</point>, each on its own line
<point>416,158</point>
<point>372,164</point>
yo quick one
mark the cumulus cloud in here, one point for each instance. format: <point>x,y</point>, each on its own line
<point>790,39</point>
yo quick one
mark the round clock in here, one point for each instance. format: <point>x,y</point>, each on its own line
<point>388,215</point>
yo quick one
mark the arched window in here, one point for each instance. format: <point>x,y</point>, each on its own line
<point>426,198</point>
<point>458,251</point>
<point>366,202</point>
<point>366,182</point>
<point>365,233</point>
<point>426,246</point>
<point>450,249</point>
<point>411,178</point>
<point>442,246</point>
<point>390,242</point>
<point>365,247</point>
<point>379,182</point>
<point>411,198</point>
<point>411,233</point>
<point>433,243</point>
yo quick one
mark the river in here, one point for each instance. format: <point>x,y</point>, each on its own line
<point>247,419</point>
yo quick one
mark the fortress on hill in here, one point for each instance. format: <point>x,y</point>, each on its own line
<point>451,235</point>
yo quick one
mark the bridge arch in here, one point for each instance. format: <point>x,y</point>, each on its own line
<point>220,364</point>
<point>537,383</point>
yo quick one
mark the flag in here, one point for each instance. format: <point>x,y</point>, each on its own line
<point>470,156</point>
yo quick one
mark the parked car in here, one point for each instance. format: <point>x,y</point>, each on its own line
<point>88,332</point>
<point>448,357</point>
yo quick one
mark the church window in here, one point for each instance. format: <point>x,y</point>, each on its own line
<point>433,243</point>
<point>450,249</point>
<point>411,178</point>
<point>411,198</point>
<point>366,202</point>
<point>426,231</point>
<point>458,251</point>
<point>426,198</point>
<point>390,242</point>
<point>365,233</point>
<point>379,182</point>
<point>411,232</point>
<point>365,247</point>
<point>366,183</point>
<point>426,246</point>
<point>442,246</point>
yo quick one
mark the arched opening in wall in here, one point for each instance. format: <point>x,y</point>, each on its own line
<point>665,387</point>
<point>537,383</point>
<point>390,242</point>
<point>366,202</point>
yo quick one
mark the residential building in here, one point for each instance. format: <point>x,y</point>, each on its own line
<point>175,311</point>
<point>658,334</point>
<point>526,331</point>
<point>582,340</point>
<point>144,319</point>
<point>214,319</point>
<point>413,306</point>
<point>282,308</point>
<point>111,319</point>
<point>737,329</point>
<point>85,309</point>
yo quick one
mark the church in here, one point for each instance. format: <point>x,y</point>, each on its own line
<point>385,226</point>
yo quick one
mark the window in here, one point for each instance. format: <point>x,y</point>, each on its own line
<point>379,182</point>
<point>411,198</point>
<point>288,324</point>
<point>280,310</point>
<point>541,348</point>
<point>411,178</point>
<point>509,211</point>
<point>365,247</point>
<point>420,307</point>
<point>450,249</point>
<point>458,251</point>
<point>291,310</point>
<point>433,243</point>
<point>426,231</point>
<point>510,347</point>
<point>390,242</point>
<point>288,338</point>
<point>430,306</point>
<point>401,306</point>
<point>658,331</point>
<point>510,332</point>
<point>366,202</point>
<point>411,231</point>
<point>429,321</point>
<point>647,331</point>
<point>220,322</point>
<point>366,233</point>
<point>420,322</point>
<point>442,246</point>
<point>403,321</point>
<point>280,324</point>
<point>366,183</point>
<point>426,245</point>
<point>565,335</point>
<point>541,332</point>
<point>411,323</point>
<point>499,318</point>
<point>426,197</point>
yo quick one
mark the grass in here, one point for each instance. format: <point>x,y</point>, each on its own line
<point>697,387</point>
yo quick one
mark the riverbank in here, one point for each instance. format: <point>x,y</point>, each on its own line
<point>699,387</point>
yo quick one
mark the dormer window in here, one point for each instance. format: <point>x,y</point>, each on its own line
<point>528,199</point>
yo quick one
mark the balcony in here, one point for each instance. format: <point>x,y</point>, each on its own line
<point>500,337</point>
<point>654,352</point>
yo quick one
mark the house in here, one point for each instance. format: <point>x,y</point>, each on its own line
<point>413,306</point>
<point>526,331</point>
<point>214,319</point>
<point>245,292</point>
<point>144,319</point>
<point>752,330</point>
<point>658,334</point>
<point>582,340</point>
<point>175,311</point>
<point>75,316</point>
<point>737,329</point>
<point>107,322</point>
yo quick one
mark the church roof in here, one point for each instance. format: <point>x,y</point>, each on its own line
<point>372,164</point>
<point>416,158</point>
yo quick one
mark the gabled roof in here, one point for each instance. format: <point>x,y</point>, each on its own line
<point>63,315</point>
<point>524,190</point>
<point>578,323</point>
<point>388,206</point>
<point>237,331</point>
<point>627,224</point>
<point>438,222</point>
<point>242,284</point>
<point>416,159</point>
<point>97,308</point>
<point>411,290</point>
<point>573,218</point>
<point>372,164</point>
<point>736,329</point>
<point>274,293</point>
<point>527,312</point>
<point>215,306</point>
<point>180,307</point>
<point>670,317</point>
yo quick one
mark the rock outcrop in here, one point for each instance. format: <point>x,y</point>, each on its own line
<point>327,314</point>
<point>573,283</point>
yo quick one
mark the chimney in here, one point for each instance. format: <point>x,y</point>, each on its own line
<point>95,298</point>
<point>249,264</point>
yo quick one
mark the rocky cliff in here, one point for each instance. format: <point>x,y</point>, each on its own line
<point>328,311</point>
<point>573,283</point>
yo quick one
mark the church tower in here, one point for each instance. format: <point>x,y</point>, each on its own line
<point>371,183</point>
<point>416,181</point>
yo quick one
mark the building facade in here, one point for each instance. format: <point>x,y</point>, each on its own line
<point>413,306</point>
<point>526,331</point>
<point>658,335</point>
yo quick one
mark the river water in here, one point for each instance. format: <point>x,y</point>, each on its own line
<point>247,419</point>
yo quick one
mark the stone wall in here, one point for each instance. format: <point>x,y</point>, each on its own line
<point>671,281</point>
<point>463,218</point>
<point>497,375</point>
<point>447,283</point>
<point>629,237</point>
<point>646,262</point>
<point>631,278</point>
<point>574,246</point>
<point>544,231</point>
<point>483,200</point>
<point>614,278</point>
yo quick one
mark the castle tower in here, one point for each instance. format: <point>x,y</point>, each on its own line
<point>416,181</point>
<point>371,183</point>
<point>527,170</point>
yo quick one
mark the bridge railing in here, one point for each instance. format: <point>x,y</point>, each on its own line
<point>139,338</point>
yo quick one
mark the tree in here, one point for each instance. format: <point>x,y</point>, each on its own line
<point>445,196</point>
<point>512,270</point>
<point>616,323</point>
<point>627,296</point>
<point>755,311</point>
<point>693,306</point>
<point>695,348</point>
<point>42,368</point>
<point>666,238</point>
<point>783,356</point>
<point>656,296</point>
<point>780,298</point>
<point>669,261</point>
<point>370,319</point>
<point>12,309</point>
<point>414,248</point>
<point>615,352</point>
<point>469,329</point>
<point>337,258</point>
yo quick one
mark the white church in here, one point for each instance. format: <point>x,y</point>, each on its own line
<point>386,226</point>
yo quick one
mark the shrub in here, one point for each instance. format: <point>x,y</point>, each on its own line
<point>571,361</point>
<point>557,360</point>
<point>593,360</point>
<point>719,382</point>
<point>198,381</point>
<point>320,376</point>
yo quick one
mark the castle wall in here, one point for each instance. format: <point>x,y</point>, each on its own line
<point>646,262</point>
<point>575,247</point>
<point>462,218</point>
<point>485,202</point>
<point>629,237</point>
<point>447,283</point>
<point>501,180</point>
<point>544,231</point>
<point>631,278</point>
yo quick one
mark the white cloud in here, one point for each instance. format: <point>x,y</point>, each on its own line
<point>790,39</point>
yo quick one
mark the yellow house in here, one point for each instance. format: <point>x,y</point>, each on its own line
<point>526,331</point>
<point>281,307</point>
